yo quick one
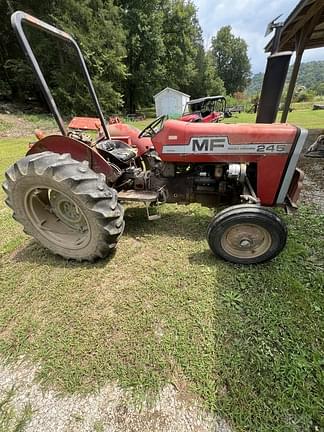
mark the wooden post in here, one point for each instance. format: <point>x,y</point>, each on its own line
<point>292,83</point>
<point>302,37</point>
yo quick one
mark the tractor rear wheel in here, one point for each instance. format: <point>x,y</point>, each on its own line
<point>246,234</point>
<point>64,205</point>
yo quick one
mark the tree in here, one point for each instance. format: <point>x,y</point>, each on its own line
<point>320,89</point>
<point>133,49</point>
<point>15,74</point>
<point>230,59</point>
<point>96,26</point>
<point>143,21</point>
<point>164,48</point>
<point>183,47</point>
<point>311,76</point>
<point>213,84</point>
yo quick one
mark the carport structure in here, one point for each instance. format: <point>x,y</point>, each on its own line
<point>302,30</point>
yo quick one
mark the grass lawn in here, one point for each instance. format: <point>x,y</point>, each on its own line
<point>300,117</point>
<point>244,340</point>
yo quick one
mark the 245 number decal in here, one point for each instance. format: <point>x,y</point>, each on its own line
<point>272,148</point>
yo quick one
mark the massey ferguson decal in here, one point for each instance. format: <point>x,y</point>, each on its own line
<point>220,145</point>
<point>207,145</point>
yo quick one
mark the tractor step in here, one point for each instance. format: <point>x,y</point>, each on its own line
<point>136,195</point>
<point>147,197</point>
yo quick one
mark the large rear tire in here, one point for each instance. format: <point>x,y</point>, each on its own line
<point>246,234</point>
<point>64,205</point>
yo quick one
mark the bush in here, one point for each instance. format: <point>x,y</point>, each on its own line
<point>304,95</point>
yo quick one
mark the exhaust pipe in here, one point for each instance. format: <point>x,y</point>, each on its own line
<point>272,86</point>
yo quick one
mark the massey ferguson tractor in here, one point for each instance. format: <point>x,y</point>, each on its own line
<point>68,190</point>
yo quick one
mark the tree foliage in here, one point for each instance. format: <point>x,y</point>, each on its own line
<point>100,35</point>
<point>133,49</point>
<point>231,60</point>
<point>96,25</point>
<point>183,47</point>
<point>143,23</point>
<point>310,76</point>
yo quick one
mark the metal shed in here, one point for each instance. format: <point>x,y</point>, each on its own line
<point>170,102</point>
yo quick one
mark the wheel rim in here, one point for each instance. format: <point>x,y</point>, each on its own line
<point>246,241</point>
<point>57,217</point>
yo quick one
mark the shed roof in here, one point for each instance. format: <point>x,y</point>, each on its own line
<point>169,88</point>
<point>308,15</point>
<point>206,99</point>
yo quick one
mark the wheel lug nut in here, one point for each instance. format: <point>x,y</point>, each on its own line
<point>245,243</point>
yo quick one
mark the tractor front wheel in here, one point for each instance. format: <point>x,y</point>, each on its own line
<point>246,234</point>
<point>64,205</point>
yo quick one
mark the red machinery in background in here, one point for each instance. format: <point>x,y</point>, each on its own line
<point>210,109</point>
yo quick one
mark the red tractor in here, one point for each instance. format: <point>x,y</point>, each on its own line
<point>68,190</point>
<point>210,109</point>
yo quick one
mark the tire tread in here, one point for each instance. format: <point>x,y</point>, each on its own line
<point>249,211</point>
<point>88,186</point>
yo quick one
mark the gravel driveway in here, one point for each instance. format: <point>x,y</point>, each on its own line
<point>108,410</point>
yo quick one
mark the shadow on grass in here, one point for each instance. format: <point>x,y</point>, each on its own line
<point>206,257</point>
<point>188,225</point>
<point>34,252</point>
<point>172,224</point>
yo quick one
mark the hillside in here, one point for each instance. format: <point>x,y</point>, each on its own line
<point>311,75</point>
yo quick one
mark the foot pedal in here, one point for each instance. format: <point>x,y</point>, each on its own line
<point>152,217</point>
<point>138,195</point>
<point>147,197</point>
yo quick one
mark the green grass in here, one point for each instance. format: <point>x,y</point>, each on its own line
<point>306,118</point>
<point>302,117</point>
<point>3,125</point>
<point>43,120</point>
<point>141,124</point>
<point>10,419</point>
<point>244,340</point>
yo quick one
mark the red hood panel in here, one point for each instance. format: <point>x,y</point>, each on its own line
<point>177,132</point>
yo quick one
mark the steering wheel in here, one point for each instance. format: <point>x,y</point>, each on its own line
<point>153,128</point>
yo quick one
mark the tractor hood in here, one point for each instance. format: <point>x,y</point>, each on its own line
<point>176,132</point>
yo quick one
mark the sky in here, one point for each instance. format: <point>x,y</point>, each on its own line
<point>249,20</point>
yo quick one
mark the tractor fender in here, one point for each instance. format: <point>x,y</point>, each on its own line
<point>78,151</point>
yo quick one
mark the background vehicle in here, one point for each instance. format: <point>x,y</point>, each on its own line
<point>67,191</point>
<point>210,109</point>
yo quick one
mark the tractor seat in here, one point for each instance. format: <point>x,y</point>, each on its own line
<point>117,150</point>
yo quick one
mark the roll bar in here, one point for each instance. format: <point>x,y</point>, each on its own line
<point>17,19</point>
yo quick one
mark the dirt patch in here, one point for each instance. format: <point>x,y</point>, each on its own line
<point>20,125</point>
<point>313,190</point>
<point>111,409</point>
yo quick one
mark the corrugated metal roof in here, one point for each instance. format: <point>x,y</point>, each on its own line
<point>205,99</point>
<point>173,90</point>
<point>307,15</point>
